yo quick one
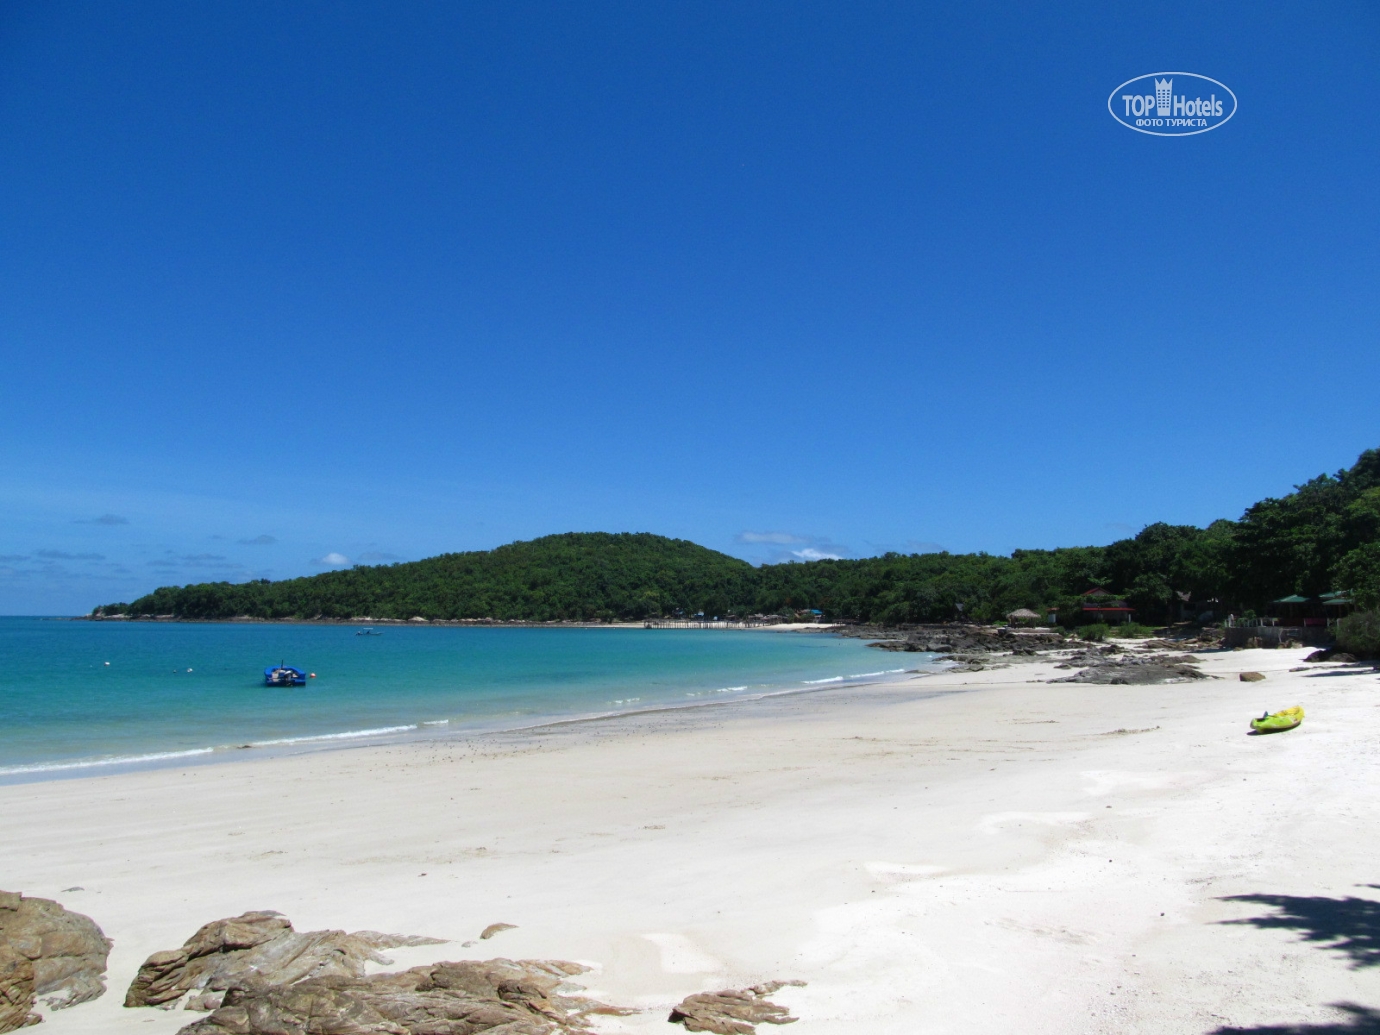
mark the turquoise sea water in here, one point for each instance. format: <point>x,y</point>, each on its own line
<point>175,693</point>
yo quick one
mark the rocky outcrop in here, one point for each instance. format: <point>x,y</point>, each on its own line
<point>1330,654</point>
<point>48,953</point>
<point>524,997</point>
<point>733,1011</point>
<point>259,950</point>
<point>957,639</point>
<point>16,989</point>
<point>1137,671</point>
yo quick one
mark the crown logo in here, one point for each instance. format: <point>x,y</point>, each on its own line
<point>1164,96</point>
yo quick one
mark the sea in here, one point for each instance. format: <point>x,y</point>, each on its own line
<point>79,698</point>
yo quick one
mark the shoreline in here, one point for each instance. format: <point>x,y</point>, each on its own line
<point>977,851</point>
<point>420,732</point>
<point>466,623</point>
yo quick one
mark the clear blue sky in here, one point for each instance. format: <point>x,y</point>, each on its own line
<point>287,284</point>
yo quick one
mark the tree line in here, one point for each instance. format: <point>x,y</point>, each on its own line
<point>1325,535</point>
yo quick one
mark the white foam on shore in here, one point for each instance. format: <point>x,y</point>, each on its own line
<point>817,682</point>
<point>348,735</point>
<point>91,763</point>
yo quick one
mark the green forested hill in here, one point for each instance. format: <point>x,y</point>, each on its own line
<point>579,575</point>
<point>1324,535</point>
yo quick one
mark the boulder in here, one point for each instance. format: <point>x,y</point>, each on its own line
<point>524,997</point>
<point>733,1011</point>
<point>1136,671</point>
<point>260,949</point>
<point>1251,677</point>
<point>46,952</point>
<point>16,989</point>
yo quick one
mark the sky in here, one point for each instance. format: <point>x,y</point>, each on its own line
<point>287,287</point>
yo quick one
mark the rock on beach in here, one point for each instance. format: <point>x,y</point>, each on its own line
<point>46,952</point>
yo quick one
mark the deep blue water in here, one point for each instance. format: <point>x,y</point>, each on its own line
<point>85,696</point>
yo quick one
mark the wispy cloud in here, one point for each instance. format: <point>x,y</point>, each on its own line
<point>810,553</point>
<point>773,538</point>
<point>1119,526</point>
<point>60,555</point>
<point>331,560</point>
<point>193,560</point>
<point>10,558</point>
<point>258,540</point>
<point>374,556</point>
<point>104,519</point>
<point>799,547</point>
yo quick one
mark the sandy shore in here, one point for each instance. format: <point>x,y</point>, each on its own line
<point>977,853</point>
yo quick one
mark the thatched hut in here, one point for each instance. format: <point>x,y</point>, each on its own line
<point>1022,616</point>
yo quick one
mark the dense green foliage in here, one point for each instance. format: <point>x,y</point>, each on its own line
<point>1359,634</point>
<point>1324,535</point>
<point>589,576</point>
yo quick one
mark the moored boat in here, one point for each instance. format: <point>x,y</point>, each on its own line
<point>284,675</point>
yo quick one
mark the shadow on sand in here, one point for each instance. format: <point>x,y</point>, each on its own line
<point>1362,1021</point>
<point>1348,925</point>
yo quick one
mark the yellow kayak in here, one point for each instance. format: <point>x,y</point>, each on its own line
<point>1275,722</point>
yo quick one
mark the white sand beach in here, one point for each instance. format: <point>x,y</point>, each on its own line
<point>980,852</point>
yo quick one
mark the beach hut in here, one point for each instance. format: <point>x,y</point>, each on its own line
<point>1022,616</point>
<point>1295,611</point>
<point>1101,606</point>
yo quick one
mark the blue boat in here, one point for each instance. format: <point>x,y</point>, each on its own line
<point>284,675</point>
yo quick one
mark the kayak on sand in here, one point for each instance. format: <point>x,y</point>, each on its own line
<point>1275,722</point>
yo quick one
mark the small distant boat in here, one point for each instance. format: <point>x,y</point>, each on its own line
<point>367,632</point>
<point>284,675</point>
<point>1278,721</point>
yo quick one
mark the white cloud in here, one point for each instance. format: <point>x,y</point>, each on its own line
<point>372,556</point>
<point>793,547</point>
<point>775,538</point>
<point>811,554</point>
<point>332,560</point>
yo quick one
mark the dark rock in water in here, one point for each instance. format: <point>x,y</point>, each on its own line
<point>524,997</point>
<point>261,949</point>
<point>46,952</point>
<point>1135,672</point>
<point>733,1011</point>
